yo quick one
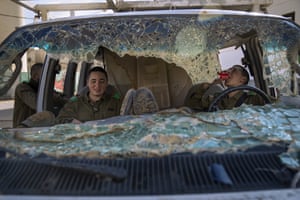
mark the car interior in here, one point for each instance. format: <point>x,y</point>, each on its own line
<point>171,85</point>
<point>168,83</point>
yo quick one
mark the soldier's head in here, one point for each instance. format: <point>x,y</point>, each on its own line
<point>238,75</point>
<point>97,82</point>
<point>36,71</point>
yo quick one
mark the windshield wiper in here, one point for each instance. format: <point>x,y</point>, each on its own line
<point>103,171</point>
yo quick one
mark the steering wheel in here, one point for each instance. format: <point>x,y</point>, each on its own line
<point>214,104</point>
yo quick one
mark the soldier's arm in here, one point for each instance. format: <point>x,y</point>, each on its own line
<point>28,95</point>
<point>195,100</point>
<point>255,99</point>
<point>68,113</point>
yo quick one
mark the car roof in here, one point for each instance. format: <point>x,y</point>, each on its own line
<point>176,36</point>
<point>159,13</point>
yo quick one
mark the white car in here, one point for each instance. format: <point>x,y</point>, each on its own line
<point>248,152</point>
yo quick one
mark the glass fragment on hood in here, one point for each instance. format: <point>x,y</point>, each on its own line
<point>163,134</point>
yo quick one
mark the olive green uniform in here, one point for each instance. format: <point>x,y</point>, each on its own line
<point>82,109</point>
<point>198,103</point>
<point>25,101</point>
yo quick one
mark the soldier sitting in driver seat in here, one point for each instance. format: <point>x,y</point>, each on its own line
<point>201,98</point>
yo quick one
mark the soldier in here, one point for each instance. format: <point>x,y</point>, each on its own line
<point>26,96</point>
<point>96,104</point>
<point>237,76</point>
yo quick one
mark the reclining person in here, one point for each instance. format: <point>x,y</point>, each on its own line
<point>237,76</point>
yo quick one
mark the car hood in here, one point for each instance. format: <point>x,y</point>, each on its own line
<point>167,132</point>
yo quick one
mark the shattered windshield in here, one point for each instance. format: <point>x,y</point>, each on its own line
<point>190,40</point>
<point>164,133</point>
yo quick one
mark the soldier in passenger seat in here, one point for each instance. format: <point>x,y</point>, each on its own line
<point>96,104</point>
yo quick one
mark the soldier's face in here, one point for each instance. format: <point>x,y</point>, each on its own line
<point>235,77</point>
<point>37,75</point>
<point>97,84</point>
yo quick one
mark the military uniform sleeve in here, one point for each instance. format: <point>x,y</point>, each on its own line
<point>196,101</point>
<point>229,102</point>
<point>28,95</point>
<point>255,99</point>
<point>68,112</point>
<point>251,98</point>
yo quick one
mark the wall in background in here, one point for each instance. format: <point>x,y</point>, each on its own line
<point>11,16</point>
<point>286,7</point>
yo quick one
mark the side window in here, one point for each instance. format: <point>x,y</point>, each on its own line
<point>60,79</point>
<point>230,56</point>
<point>65,79</point>
<point>81,77</point>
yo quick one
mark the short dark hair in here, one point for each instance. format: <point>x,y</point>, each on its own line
<point>97,69</point>
<point>35,67</point>
<point>243,71</point>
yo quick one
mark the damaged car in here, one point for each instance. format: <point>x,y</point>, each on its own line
<point>174,153</point>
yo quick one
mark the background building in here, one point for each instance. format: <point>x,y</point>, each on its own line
<point>10,17</point>
<point>288,8</point>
